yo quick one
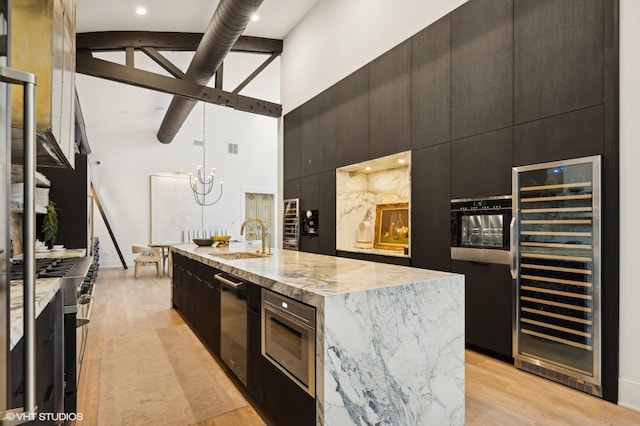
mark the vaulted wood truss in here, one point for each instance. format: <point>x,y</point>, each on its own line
<point>152,44</point>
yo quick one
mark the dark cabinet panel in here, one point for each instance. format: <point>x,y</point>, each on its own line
<point>489,306</point>
<point>285,403</point>
<point>309,200</point>
<point>392,260</point>
<point>327,213</point>
<point>353,118</point>
<point>291,188</point>
<point>558,57</point>
<point>572,135</point>
<point>481,165</point>
<point>292,144</point>
<point>430,197</point>
<point>318,133</point>
<point>327,132</point>
<point>481,67</point>
<point>69,192</point>
<point>431,84</point>
<point>390,102</point>
<point>309,192</point>
<point>255,374</point>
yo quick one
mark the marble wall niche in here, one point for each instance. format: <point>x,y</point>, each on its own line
<point>359,190</point>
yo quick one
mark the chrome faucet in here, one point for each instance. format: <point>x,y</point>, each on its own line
<point>262,226</point>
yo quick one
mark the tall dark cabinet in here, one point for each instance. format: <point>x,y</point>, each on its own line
<point>481,67</point>
<point>430,195</point>
<point>558,57</point>
<point>353,118</point>
<point>492,85</point>
<point>390,102</point>
<point>69,191</point>
<point>431,84</point>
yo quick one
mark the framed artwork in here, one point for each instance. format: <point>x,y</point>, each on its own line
<point>392,226</point>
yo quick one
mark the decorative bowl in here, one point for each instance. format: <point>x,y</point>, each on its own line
<point>222,240</point>
<point>203,242</point>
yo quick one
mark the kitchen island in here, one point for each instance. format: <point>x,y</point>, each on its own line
<point>389,339</point>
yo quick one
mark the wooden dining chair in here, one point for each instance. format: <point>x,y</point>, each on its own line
<point>148,256</point>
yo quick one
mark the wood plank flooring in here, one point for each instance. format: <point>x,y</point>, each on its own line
<point>144,366</point>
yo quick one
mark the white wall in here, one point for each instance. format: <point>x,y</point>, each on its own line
<point>337,37</point>
<point>629,385</point>
<point>122,122</point>
<point>315,58</point>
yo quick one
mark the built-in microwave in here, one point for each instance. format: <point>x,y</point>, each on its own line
<point>480,229</point>
<point>289,338</point>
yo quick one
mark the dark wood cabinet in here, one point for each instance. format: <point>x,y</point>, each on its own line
<point>49,392</point>
<point>481,164</point>
<point>255,373</point>
<point>390,102</point>
<point>69,191</point>
<point>309,200</point>
<point>489,306</point>
<point>318,133</point>
<point>291,189</point>
<point>327,213</point>
<point>392,260</point>
<point>198,297</point>
<point>430,197</point>
<point>285,403</point>
<point>431,84</point>
<point>558,57</point>
<point>481,67</point>
<point>572,135</point>
<point>292,144</point>
<point>353,118</point>
<point>209,312</point>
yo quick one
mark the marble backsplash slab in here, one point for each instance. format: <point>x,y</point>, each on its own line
<point>357,195</point>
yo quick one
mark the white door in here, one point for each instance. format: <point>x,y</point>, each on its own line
<point>260,206</point>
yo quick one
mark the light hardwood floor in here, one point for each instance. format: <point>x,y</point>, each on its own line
<point>144,366</point>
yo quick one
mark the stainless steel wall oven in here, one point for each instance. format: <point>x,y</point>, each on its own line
<point>288,338</point>
<point>480,229</point>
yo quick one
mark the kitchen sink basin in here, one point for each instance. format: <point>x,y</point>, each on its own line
<point>238,255</point>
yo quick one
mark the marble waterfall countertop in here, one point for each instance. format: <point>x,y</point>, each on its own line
<point>389,339</point>
<point>46,289</point>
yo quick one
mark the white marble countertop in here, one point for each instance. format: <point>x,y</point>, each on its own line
<point>46,289</point>
<point>389,339</point>
<point>305,276</point>
<point>57,254</point>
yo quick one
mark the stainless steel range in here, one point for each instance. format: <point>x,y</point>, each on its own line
<point>78,278</point>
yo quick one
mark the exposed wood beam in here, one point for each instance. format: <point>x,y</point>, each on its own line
<point>256,72</point>
<point>163,62</point>
<point>86,64</point>
<point>175,41</point>
<point>129,57</point>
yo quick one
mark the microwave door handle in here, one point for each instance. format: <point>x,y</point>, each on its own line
<point>513,252</point>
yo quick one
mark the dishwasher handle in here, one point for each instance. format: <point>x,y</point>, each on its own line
<point>222,277</point>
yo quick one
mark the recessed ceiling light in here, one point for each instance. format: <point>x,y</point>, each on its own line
<point>401,161</point>
<point>141,10</point>
<point>255,17</point>
<point>367,168</point>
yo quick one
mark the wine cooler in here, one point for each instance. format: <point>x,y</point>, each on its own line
<point>555,249</point>
<point>291,224</point>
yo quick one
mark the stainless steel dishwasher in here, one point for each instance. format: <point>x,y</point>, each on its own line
<point>233,323</point>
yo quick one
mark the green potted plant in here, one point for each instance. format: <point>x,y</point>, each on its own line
<point>50,224</point>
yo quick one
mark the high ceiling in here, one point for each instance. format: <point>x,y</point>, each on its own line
<point>277,17</point>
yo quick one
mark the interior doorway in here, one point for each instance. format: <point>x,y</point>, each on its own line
<point>260,206</point>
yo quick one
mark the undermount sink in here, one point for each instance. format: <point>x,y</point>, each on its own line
<point>239,255</point>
